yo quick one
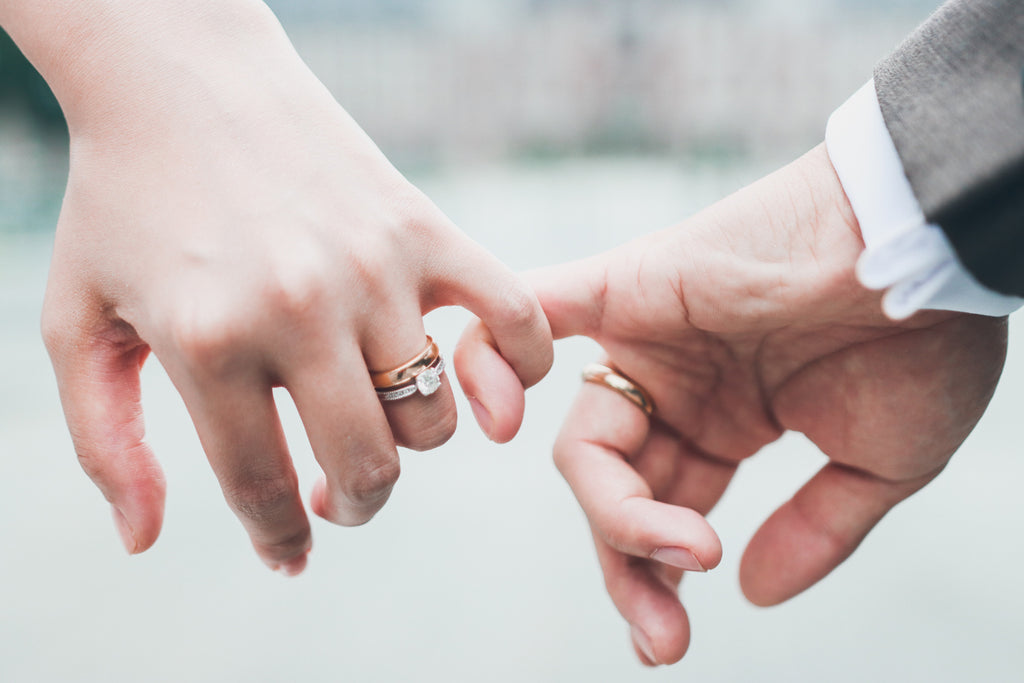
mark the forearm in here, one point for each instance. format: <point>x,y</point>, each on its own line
<point>103,57</point>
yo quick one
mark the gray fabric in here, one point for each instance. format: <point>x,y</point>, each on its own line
<point>951,96</point>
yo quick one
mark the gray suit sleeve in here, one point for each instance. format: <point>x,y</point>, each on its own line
<point>951,96</point>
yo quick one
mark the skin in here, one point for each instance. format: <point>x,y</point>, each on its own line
<point>743,322</point>
<point>224,213</point>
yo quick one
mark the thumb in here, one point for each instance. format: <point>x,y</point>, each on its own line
<point>572,295</point>
<point>101,394</point>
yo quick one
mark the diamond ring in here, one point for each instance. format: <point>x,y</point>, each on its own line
<point>425,383</point>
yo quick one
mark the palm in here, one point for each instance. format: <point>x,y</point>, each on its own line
<point>726,395</point>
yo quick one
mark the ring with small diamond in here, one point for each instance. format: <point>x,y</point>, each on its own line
<point>425,383</point>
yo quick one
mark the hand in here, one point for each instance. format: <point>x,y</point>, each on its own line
<point>225,213</point>
<point>744,322</point>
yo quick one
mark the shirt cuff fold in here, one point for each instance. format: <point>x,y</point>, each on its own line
<point>903,253</point>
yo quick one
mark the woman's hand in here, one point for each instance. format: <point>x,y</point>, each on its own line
<point>744,322</point>
<point>225,213</point>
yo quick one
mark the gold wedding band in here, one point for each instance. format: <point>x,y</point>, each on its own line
<point>387,379</point>
<point>606,376</point>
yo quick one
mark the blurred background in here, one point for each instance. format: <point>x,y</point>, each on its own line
<point>548,129</point>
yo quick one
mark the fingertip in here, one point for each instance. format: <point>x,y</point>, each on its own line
<point>318,499</point>
<point>786,556</point>
<point>571,295</point>
<point>664,638</point>
<point>642,646</point>
<point>806,538</point>
<point>138,516</point>
<point>700,557</point>
<point>483,418</point>
<point>757,598</point>
<point>139,534</point>
<point>507,413</point>
<point>294,566</point>
<point>659,626</point>
<point>768,575</point>
<point>338,508</point>
<point>495,393</point>
<point>711,554</point>
<point>124,530</point>
<point>670,534</point>
<point>757,589</point>
<point>680,558</point>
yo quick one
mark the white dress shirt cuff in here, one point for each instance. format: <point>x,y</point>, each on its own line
<point>910,258</point>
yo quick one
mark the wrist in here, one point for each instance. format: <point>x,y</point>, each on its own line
<point>113,64</point>
<point>829,238</point>
<point>782,250</point>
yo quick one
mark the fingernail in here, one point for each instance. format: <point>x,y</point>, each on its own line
<point>124,531</point>
<point>483,418</point>
<point>678,557</point>
<point>643,643</point>
<point>294,566</point>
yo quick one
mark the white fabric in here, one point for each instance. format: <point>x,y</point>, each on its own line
<point>911,258</point>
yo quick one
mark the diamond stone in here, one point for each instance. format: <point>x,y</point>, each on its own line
<point>428,381</point>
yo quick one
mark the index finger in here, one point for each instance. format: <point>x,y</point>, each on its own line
<point>602,432</point>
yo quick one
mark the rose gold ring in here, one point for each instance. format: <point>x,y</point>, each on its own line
<point>425,383</point>
<point>606,376</point>
<point>387,379</point>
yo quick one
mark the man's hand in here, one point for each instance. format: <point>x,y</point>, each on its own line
<point>224,213</point>
<point>744,322</point>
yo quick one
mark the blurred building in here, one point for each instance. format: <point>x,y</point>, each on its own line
<point>481,79</point>
<point>478,80</point>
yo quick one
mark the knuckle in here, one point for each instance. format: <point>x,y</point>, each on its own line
<point>625,527</point>
<point>91,461</point>
<point>296,283</point>
<point>367,269</point>
<point>562,452</point>
<point>373,266</point>
<point>104,462</point>
<point>519,308</point>
<point>618,536</point>
<point>54,329</point>
<point>416,216</point>
<point>263,500</point>
<point>372,482</point>
<point>205,336</point>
